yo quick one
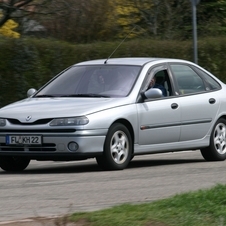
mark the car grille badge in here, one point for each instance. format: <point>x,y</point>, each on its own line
<point>28,118</point>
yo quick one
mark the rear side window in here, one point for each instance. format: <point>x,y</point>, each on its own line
<point>210,83</point>
<point>188,81</point>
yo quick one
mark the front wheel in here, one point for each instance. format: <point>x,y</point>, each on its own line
<point>117,148</point>
<point>217,148</point>
<point>13,164</point>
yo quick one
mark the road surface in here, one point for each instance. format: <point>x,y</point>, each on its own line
<point>48,189</point>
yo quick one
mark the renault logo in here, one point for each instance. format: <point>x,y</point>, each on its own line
<point>28,118</point>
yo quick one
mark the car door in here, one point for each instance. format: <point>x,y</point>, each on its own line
<point>198,103</point>
<point>159,118</point>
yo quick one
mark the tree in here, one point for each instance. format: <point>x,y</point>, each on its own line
<point>212,17</point>
<point>84,21</point>
<point>7,29</point>
<point>9,7</point>
<point>127,16</point>
<point>172,19</point>
<point>16,9</point>
<point>165,18</point>
<point>94,20</point>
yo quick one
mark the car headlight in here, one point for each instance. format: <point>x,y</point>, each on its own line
<point>74,121</point>
<point>2,122</point>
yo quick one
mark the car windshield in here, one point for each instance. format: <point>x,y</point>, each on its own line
<point>92,81</point>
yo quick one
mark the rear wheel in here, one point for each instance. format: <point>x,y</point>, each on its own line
<point>217,149</point>
<point>117,149</point>
<point>13,164</point>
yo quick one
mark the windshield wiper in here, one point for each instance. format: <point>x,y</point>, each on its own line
<point>85,95</point>
<point>45,95</point>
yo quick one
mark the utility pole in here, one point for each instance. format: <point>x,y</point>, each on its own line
<point>194,22</point>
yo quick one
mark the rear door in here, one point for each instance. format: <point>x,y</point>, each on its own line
<point>198,101</point>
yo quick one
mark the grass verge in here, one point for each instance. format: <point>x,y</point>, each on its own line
<point>200,208</point>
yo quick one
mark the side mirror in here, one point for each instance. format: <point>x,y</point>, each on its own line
<point>31,91</point>
<point>153,93</point>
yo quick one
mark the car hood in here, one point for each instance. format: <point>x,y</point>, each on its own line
<point>39,108</point>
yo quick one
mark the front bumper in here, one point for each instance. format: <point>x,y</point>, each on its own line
<point>55,146</point>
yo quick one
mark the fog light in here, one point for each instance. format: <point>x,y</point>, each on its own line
<point>73,146</point>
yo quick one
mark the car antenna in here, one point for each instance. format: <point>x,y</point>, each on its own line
<point>119,45</point>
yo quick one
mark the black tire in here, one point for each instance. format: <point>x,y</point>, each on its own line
<point>117,149</point>
<point>13,164</point>
<point>217,148</point>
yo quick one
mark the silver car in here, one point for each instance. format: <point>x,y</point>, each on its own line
<point>108,110</point>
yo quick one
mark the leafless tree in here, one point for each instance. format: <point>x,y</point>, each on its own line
<point>166,18</point>
<point>83,21</point>
<point>15,9</point>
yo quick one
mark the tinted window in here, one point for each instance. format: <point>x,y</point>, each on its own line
<point>188,81</point>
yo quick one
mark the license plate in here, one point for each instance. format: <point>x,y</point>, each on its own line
<point>23,140</point>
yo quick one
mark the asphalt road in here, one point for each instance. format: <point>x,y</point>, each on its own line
<point>48,189</point>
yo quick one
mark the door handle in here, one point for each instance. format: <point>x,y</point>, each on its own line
<point>174,106</point>
<point>212,100</point>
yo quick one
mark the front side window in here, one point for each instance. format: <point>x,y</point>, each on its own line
<point>92,81</point>
<point>158,77</point>
<point>188,81</point>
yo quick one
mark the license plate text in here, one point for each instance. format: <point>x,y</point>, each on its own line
<point>23,140</point>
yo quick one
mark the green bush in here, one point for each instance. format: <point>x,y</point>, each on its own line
<point>26,63</point>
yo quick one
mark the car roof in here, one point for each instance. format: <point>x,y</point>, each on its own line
<point>139,61</point>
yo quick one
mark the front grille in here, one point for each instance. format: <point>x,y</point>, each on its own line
<point>45,147</point>
<point>38,122</point>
